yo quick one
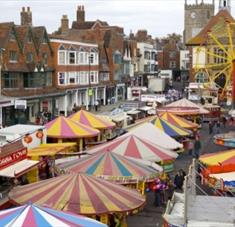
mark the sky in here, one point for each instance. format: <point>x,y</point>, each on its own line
<point>158,17</point>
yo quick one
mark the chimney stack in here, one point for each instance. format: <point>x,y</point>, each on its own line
<point>64,24</point>
<point>26,17</point>
<point>80,14</point>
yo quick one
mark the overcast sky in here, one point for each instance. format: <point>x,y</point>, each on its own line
<point>159,17</point>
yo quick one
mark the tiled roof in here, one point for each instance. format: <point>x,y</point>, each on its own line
<point>4,32</point>
<point>88,24</point>
<point>202,36</point>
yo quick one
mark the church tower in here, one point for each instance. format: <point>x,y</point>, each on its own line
<point>196,17</point>
<point>225,4</point>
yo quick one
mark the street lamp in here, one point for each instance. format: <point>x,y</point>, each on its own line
<point>90,92</point>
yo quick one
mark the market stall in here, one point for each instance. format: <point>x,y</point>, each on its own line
<point>136,147</point>
<point>219,171</point>
<point>36,216</point>
<point>170,129</point>
<point>15,167</point>
<point>116,168</point>
<point>63,129</point>
<point>93,121</point>
<point>151,133</point>
<point>81,194</point>
<point>47,154</point>
<point>178,121</point>
<point>226,139</point>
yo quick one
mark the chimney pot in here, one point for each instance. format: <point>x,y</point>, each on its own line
<point>23,9</point>
<point>28,9</point>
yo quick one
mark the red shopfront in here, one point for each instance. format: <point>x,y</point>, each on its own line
<point>14,162</point>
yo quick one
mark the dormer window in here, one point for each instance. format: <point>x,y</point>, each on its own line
<point>12,35</point>
<point>29,57</point>
<point>13,56</point>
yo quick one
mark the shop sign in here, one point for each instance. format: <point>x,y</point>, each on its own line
<point>20,104</point>
<point>90,92</point>
<point>13,158</point>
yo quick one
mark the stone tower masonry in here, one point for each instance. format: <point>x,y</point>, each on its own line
<point>196,17</point>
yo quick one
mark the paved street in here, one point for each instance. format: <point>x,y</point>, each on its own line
<point>151,216</point>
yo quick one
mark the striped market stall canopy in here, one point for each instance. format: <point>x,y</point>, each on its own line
<point>170,129</point>
<point>35,216</point>
<point>219,158</point>
<point>62,127</point>
<point>91,120</point>
<point>178,121</point>
<point>79,193</point>
<point>136,147</point>
<point>187,107</point>
<point>112,166</point>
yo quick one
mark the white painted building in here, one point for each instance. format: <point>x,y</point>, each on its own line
<point>184,59</point>
<point>77,71</point>
<point>147,61</point>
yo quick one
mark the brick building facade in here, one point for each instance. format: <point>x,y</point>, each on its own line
<point>27,69</point>
<point>77,74</point>
<point>110,40</point>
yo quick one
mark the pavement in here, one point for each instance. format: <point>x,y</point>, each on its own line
<point>151,216</point>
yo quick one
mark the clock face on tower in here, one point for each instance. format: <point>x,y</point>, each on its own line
<point>193,15</point>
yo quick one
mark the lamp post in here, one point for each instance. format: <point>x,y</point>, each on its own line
<point>90,92</point>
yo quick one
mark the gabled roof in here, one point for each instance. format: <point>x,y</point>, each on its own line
<point>88,24</point>
<point>5,29</point>
<point>202,35</point>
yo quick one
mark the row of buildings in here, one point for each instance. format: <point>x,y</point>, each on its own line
<point>74,66</point>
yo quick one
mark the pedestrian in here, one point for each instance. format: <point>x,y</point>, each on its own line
<point>218,127</point>
<point>96,105</point>
<point>224,120</point>
<point>197,147</point>
<point>178,180</point>
<point>210,127</point>
<point>190,147</point>
<point>157,192</point>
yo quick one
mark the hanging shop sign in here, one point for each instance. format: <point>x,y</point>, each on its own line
<point>20,104</point>
<point>13,158</point>
<point>90,92</point>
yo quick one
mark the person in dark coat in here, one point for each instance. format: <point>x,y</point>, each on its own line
<point>210,127</point>
<point>178,180</point>
<point>197,148</point>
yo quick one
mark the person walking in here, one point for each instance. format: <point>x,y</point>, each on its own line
<point>96,105</point>
<point>197,147</point>
<point>218,127</point>
<point>210,127</point>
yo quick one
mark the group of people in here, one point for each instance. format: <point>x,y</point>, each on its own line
<point>163,189</point>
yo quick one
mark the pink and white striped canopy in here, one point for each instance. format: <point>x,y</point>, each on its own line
<point>136,147</point>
